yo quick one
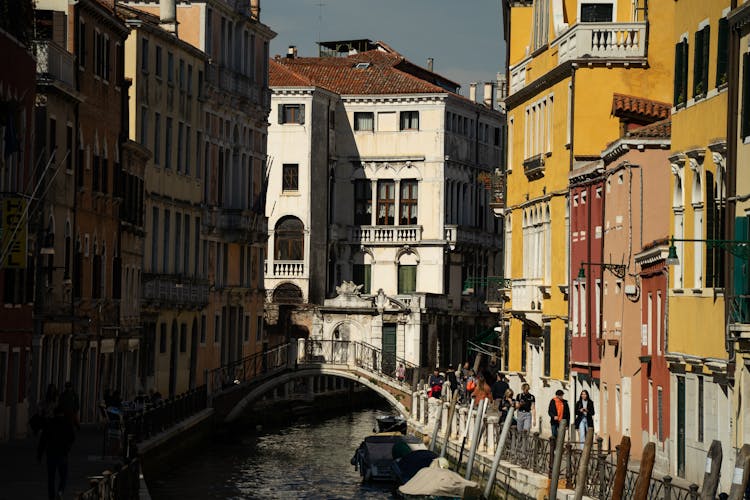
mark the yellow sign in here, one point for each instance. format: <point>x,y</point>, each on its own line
<point>14,233</point>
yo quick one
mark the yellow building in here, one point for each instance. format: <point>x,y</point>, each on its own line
<point>166,118</point>
<point>566,60</point>
<point>701,396</point>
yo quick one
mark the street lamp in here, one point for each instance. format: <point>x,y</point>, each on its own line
<point>738,248</point>
<point>617,269</point>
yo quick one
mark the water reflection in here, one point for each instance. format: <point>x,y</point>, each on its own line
<point>308,459</point>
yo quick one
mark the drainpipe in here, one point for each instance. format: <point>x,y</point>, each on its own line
<point>569,345</point>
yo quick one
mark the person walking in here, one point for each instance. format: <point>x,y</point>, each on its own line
<point>558,411</point>
<point>70,404</point>
<point>505,404</point>
<point>56,440</point>
<point>400,372</point>
<point>450,375</point>
<point>435,384</point>
<point>584,419</point>
<point>499,387</point>
<point>482,390</point>
<point>526,406</point>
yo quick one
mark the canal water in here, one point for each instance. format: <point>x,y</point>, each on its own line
<point>309,458</point>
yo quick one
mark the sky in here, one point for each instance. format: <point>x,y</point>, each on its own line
<point>465,42</point>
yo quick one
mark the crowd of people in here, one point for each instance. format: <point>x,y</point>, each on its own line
<point>493,386</point>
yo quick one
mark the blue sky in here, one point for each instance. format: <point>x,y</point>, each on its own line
<point>464,38</point>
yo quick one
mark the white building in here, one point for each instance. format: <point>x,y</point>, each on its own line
<point>376,179</point>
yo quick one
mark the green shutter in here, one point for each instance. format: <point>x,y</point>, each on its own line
<point>677,73</point>
<point>368,279</point>
<point>722,53</point>
<point>407,279</point>
<point>711,252</point>
<point>705,57</point>
<point>684,63</point>
<point>547,350</point>
<point>745,125</point>
<point>698,87</point>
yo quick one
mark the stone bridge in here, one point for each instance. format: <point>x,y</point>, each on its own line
<point>234,388</point>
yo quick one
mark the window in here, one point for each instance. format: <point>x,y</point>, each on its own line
<point>290,177</point>
<point>165,248</point>
<point>407,278</point>
<point>386,203</point>
<point>259,329</point>
<point>170,68</point>
<point>700,62</point>
<point>157,62</point>
<point>680,73</point>
<point>181,76</point>
<point>292,113</point>
<point>217,329</point>
<point>144,55</point>
<point>364,121</point>
<point>203,329</point>
<point>408,204</point>
<point>361,276</point>
<point>596,13</point>
<point>81,47</point>
<point>289,238</point>
<point>69,148</point>
<point>144,126</point>
<point>180,144</point>
<point>700,409</point>
<point>183,337</point>
<point>162,338</point>
<point>178,242</point>
<point>187,149</point>
<point>410,120</point>
<point>168,144</point>
<point>157,138</point>
<point>363,202</point>
<point>722,54</point>
<point>541,24</point>
<point>155,239</point>
<point>660,414</point>
<point>745,123</point>
<point>547,350</point>
<point>101,53</point>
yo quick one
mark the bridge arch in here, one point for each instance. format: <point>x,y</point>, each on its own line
<point>372,383</point>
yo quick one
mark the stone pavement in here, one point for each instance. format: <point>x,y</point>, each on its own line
<point>22,477</point>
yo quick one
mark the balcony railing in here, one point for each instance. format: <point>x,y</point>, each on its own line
<point>457,235</point>
<point>534,167</point>
<point>235,224</point>
<point>527,294</point>
<point>739,309</point>
<point>54,62</point>
<point>237,84</point>
<point>603,41</point>
<point>386,235</point>
<point>288,269</point>
<point>518,76</point>
<point>170,289</point>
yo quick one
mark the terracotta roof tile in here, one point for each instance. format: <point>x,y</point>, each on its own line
<point>660,129</point>
<point>341,74</point>
<point>645,108</point>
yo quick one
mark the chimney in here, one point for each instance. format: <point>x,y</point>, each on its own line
<point>430,62</point>
<point>502,87</point>
<point>473,92</point>
<point>291,52</point>
<point>489,94</point>
<point>255,10</point>
<point>168,15</point>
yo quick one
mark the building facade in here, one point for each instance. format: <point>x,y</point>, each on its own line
<point>405,220</point>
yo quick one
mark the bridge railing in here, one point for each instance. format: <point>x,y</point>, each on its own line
<point>251,367</point>
<point>350,353</point>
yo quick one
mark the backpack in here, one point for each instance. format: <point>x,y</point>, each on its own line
<point>471,384</point>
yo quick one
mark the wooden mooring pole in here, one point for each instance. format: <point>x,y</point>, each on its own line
<point>557,462</point>
<point>713,471</point>
<point>623,456</point>
<point>583,465</point>
<point>741,473</point>
<point>644,475</point>
<point>451,413</point>
<point>499,452</point>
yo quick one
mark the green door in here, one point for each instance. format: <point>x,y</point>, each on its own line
<point>388,365</point>
<point>681,426</point>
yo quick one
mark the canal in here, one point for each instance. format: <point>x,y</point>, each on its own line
<point>309,458</point>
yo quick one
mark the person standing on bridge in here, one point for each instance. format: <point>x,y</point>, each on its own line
<point>558,411</point>
<point>435,384</point>
<point>400,372</point>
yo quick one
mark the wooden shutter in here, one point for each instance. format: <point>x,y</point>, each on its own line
<point>301,114</point>
<point>705,46</point>
<point>677,73</point>
<point>547,351</point>
<point>745,113</point>
<point>711,252</point>
<point>281,113</point>
<point>722,53</point>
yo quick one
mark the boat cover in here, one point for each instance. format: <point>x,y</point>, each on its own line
<point>435,481</point>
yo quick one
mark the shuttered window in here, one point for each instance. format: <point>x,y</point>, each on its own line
<point>361,276</point>
<point>292,113</point>
<point>547,349</point>
<point>700,62</point>
<point>722,53</point>
<point>407,279</point>
<point>680,73</point>
<point>745,124</point>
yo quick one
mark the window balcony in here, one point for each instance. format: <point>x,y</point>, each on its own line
<point>602,41</point>
<point>235,225</point>
<point>534,167</point>
<point>288,269</point>
<point>385,235</point>
<point>171,290</point>
<point>457,235</point>
<point>54,63</point>
<point>527,295</point>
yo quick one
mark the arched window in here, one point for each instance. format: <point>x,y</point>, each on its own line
<point>289,239</point>
<point>287,293</point>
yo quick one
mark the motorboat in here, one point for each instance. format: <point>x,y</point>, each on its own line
<point>375,455</point>
<point>390,423</point>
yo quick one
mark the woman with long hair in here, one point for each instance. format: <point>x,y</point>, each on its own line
<point>584,419</point>
<point>482,390</point>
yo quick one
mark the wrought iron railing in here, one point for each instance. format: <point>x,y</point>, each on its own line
<point>739,309</point>
<point>255,366</point>
<point>122,484</point>
<point>143,424</point>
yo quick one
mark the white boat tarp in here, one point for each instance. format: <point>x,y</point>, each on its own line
<point>436,481</point>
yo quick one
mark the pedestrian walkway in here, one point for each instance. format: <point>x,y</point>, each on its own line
<point>22,477</point>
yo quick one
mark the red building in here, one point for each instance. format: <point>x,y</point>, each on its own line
<point>17,93</point>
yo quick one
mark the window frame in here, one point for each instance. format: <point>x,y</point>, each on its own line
<point>410,203</point>
<point>402,286</point>
<point>389,204</point>
<point>408,120</point>
<point>290,177</point>
<point>358,115</point>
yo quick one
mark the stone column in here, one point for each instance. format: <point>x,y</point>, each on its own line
<point>462,422</point>
<point>415,405</point>
<point>425,408</point>
<point>311,386</point>
<point>432,405</point>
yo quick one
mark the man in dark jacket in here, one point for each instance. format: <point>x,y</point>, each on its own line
<point>499,388</point>
<point>56,440</point>
<point>558,411</point>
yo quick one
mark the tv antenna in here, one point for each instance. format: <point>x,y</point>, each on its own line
<point>320,4</point>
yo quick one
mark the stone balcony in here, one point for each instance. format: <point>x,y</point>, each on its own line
<point>385,235</point>
<point>235,225</point>
<point>457,235</point>
<point>603,41</point>
<point>286,269</point>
